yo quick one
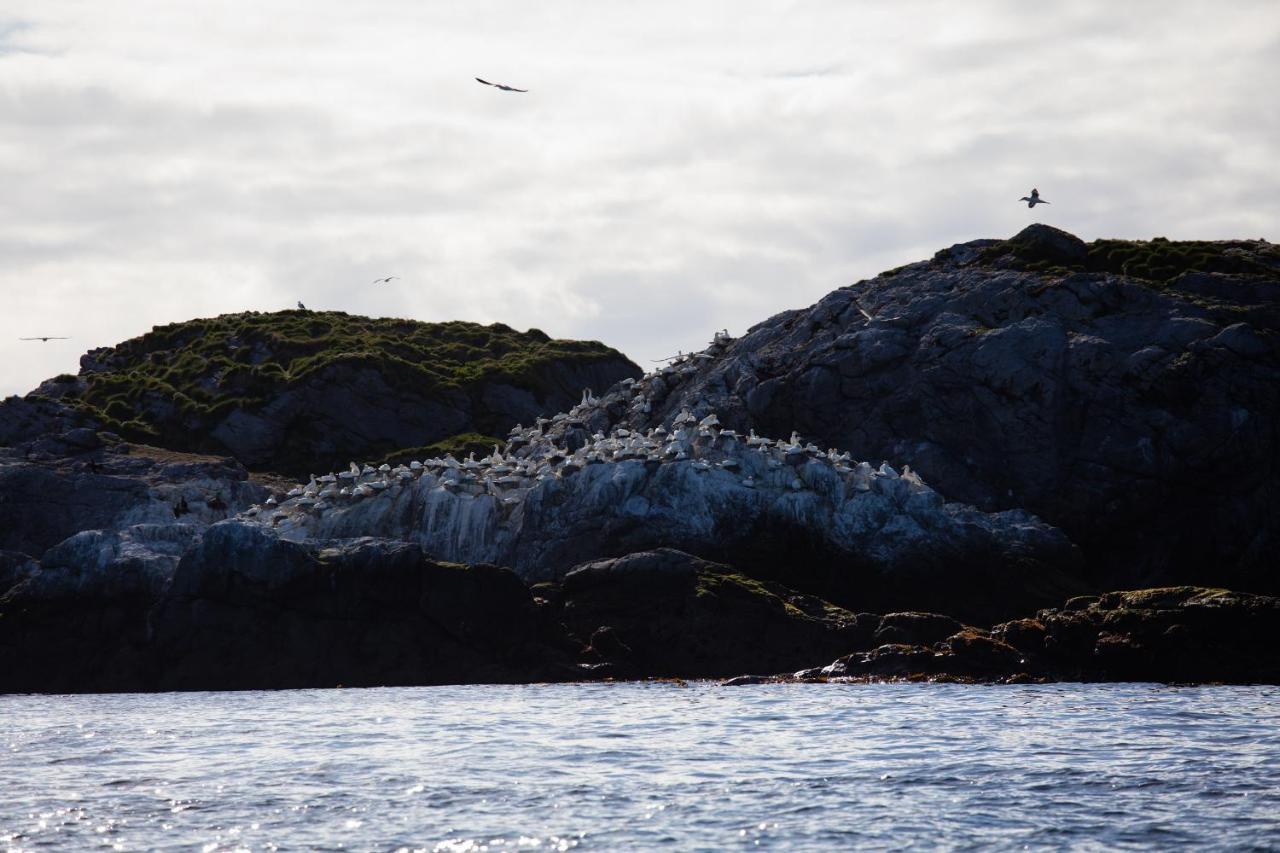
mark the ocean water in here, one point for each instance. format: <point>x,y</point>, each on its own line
<point>625,766</point>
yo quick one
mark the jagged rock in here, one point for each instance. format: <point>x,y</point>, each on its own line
<point>915,628</point>
<point>15,567</point>
<point>245,609</point>
<point>56,485</point>
<point>1174,634</point>
<point>1135,413</point>
<point>1045,243</point>
<point>667,613</point>
<point>135,561</point>
<point>784,512</point>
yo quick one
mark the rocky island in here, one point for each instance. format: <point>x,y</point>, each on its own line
<point>943,472</point>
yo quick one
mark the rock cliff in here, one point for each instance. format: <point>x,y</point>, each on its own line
<point>783,510</point>
<point>58,485</point>
<point>1172,634</point>
<point>1127,393</point>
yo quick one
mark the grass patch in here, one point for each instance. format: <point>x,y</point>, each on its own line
<point>1157,262</point>
<point>175,383</point>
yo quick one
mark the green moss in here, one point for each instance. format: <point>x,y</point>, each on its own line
<point>180,380</point>
<point>459,445</point>
<point>721,585</point>
<point>1162,260</point>
<point>1155,262</point>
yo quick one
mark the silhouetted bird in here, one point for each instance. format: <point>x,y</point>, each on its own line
<point>301,307</point>
<point>504,87</point>
<point>384,280</point>
<point>45,338</point>
<point>1033,199</point>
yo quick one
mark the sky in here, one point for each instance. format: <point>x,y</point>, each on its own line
<point>676,168</point>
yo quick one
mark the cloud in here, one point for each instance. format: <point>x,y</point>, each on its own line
<point>674,169</point>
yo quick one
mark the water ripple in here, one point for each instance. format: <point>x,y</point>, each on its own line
<point>644,765</point>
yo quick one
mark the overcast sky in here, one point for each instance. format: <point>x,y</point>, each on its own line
<point>676,168</point>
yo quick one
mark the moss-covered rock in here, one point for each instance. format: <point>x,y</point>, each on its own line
<point>1156,262</point>
<point>671,614</point>
<point>296,391</point>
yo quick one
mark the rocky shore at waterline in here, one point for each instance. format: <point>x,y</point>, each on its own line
<point>248,610</point>
<point>938,473</point>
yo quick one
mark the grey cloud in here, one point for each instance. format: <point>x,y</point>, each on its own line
<point>675,170</point>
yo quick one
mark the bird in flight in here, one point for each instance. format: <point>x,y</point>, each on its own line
<point>45,338</point>
<point>1033,199</point>
<point>386,280</point>
<point>504,87</point>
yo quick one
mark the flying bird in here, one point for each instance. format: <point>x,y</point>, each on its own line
<point>384,280</point>
<point>1033,199</point>
<point>46,338</point>
<point>504,87</point>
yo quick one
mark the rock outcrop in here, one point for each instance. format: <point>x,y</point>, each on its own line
<point>244,609</point>
<point>58,485</point>
<point>296,391</point>
<point>1127,393</point>
<point>1172,634</point>
<point>782,510</point>
<point>667,613</point>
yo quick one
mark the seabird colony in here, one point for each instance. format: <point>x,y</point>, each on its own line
<point>432,500</point>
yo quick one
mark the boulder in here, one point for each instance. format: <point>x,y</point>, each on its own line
<point>665,613</point>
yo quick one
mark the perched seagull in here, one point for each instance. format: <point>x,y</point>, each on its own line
<point>384,280</point>
<point>501,86</point>
<point>45,338</point>
<point>301,307</point>
<point>1033,199</point>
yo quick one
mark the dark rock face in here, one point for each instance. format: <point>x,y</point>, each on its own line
<point>57,485</point>
<point>1174,634</point>
<point>234,606</point>
<point>246,610</point>
<point>667,613</point>
<point>1138,417</point>
<point>240,608</point>
<point>23,419</point>
<point>359,613</point>
<point>346,413</point>
<point>1046,243</point>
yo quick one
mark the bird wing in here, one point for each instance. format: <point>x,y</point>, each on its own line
<point>514,89</point>
<point>486,82</point>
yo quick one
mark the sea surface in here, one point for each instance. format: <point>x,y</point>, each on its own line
<point>625,766</point>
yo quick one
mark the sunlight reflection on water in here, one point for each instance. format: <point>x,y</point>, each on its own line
<point>605,766</point>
